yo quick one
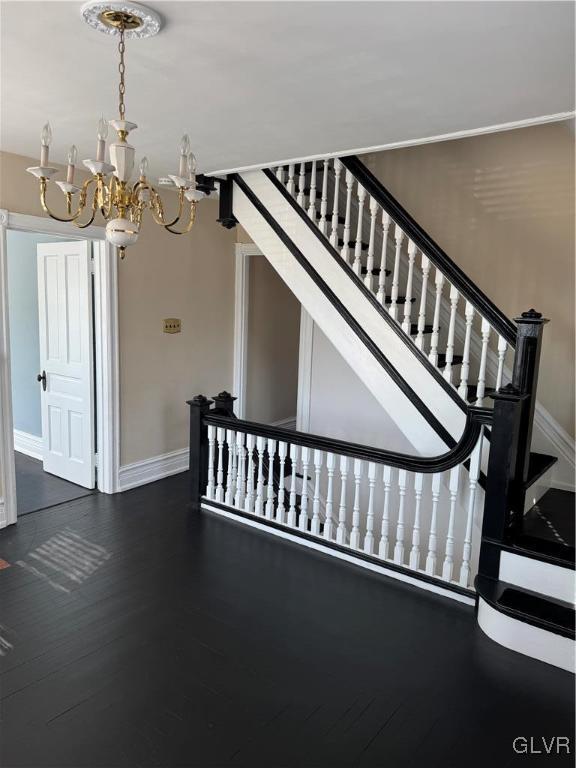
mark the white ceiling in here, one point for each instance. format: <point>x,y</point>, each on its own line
<point>255,82</point>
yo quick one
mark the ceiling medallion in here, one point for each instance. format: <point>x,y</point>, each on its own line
<point>109,191</point>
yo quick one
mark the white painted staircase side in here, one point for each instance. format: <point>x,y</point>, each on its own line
<point>416,428</point>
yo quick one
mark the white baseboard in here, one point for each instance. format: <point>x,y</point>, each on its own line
<point>31,445</point>
<point>155,468</point>
<point>289,423</point>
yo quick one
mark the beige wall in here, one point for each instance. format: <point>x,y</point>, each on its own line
<point>273,343</point>
<point>190,277</point>
<point>502,207</point>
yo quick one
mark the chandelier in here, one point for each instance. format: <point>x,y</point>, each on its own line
<point>109,191</point>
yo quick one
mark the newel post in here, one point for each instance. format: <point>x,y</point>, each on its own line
<point>224,404</point>
<point>199,407</point>
<point>525,377</point>
<point>504,497</point>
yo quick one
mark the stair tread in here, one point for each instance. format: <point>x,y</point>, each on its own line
<point>539,464</point>
<point>538,610</point>
<point>472,394</point>
<point>414,329</point>
<point>352,244</point>
<point>456,360</point>
<point>399,300</point>
<point>376,271</point>
<point>548,528</point>
<point>341,219</point>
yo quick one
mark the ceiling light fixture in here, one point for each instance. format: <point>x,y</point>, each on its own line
<point>121,203</point>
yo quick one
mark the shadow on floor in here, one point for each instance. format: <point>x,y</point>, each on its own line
<point>36,489</point>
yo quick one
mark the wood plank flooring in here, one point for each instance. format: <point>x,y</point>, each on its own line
<point>36,489</point>
<point>137,633</point>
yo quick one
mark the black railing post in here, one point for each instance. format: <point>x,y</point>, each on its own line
<point>224,404</point>
<point>504,496</point>
<point>525,377</point>
<point>226,216</point>
<point>199,407</point>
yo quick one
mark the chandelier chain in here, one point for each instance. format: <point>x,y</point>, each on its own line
<point>121,70</point>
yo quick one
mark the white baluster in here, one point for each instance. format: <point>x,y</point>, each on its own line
<point>485,331</point>
<point>385,534</point>
<point>448,567</point>
<point>249,499</point>
<point>357,266</point>
<point>280,174</point>
<point>231,474</point>
<point>291,520</point>
<point>369,538</point>
<point>407,321</point>
<point>399,237</point>
<point>432,537</point>
<point>381,295</point>
<point>335,212</point>
<point>241,469</point>
<point>301,185</point>
<point>415,551</point>
<point>329,518</point>
<point>465,370</point>
<point>270,479</point>
<point>433,354</point>
<point>210,490</point>
<point>220,437</point>
<point>368,280</point>
<point>291,183</point>
<point>502,347</point>
<point>323,222</point>
<point>342,533</point>
<point>355,532</point>
<point>345,252</point>
<point>312,200</point>
<point>451,328</point>
<point>399,548</point>
<point>303,522</point>
<point>315,527</point>
<point>280,508</point>
<point>425,265</point>
<point>260,446</point>
<point>473,475</point>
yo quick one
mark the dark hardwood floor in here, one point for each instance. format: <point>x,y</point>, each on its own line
<point>36,489</point>
<point>136,633</point>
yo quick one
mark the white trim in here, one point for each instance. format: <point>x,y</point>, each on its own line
<point>525,638</point>
<point>305,352</point>
<point>106,334</point>
<point>289,423</point>
<point>538,576</point>
<point>155,468</point>
<point>241,306</point>
<point>527,123</point>
<point>319,547</point>
<point>31,445</point>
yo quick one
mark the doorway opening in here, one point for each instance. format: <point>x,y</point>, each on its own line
<point>52,372</point>
<point>77,374</point>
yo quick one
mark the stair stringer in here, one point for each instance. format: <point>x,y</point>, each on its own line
<point>415,373</point>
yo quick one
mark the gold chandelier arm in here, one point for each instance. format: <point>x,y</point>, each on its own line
<point>108,194</point>
<point>157,207</point>
<point>81,202</point>
<point>190,222</point>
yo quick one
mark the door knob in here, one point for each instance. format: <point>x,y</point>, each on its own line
<point>42,377</point>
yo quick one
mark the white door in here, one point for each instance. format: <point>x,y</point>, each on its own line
<point>66,360</point>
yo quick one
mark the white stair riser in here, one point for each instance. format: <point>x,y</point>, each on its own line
<point>538,576</point>
<point>524,638</point>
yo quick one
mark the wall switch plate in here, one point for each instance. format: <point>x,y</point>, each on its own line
<point>172,325</point>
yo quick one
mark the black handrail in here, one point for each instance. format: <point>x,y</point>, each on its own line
<point>437,256</point>
<point>475,420</point>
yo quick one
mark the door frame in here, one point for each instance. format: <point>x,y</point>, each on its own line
<point>107,389</point>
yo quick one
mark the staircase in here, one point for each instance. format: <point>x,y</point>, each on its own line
<point>463,515</point>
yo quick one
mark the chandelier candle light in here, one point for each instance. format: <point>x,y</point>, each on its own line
<point>121,203</point>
